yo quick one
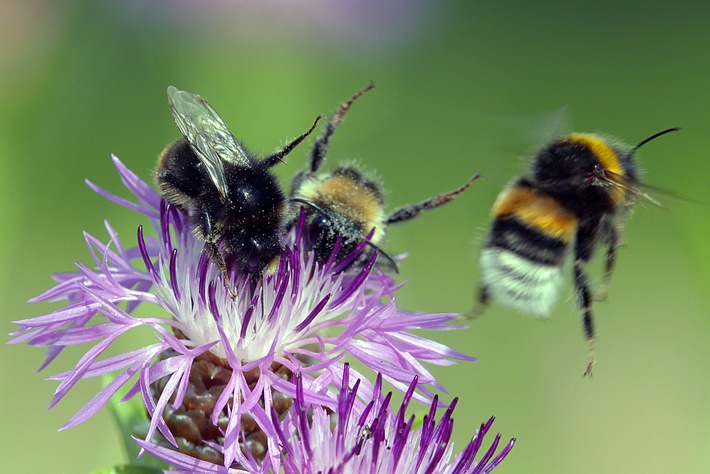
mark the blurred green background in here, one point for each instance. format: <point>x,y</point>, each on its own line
<point>462,87</point>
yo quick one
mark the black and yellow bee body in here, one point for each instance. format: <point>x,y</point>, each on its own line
<point>578,196</point>
<point>229,195</point>
<point>347,204</point>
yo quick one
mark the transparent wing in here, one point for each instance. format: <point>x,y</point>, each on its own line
<point>207,134</point>
<point>606,178</point>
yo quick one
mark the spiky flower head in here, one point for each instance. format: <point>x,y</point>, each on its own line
<point>228,362</point>
<point>362,438</point>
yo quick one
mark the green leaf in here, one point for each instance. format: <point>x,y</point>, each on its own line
<point>132,420</point>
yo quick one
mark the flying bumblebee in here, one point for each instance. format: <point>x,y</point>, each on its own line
<point>579,195</point>
<point>226,192</point>
<point>348,203</point>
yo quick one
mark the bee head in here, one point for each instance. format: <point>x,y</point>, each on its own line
<point>322,232</point>
<point>322,228</point>
<point>568,165</point>
<point>254,252</point>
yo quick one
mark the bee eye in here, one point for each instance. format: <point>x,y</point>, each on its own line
<point>318,226</point>
<point>255,245</point>
<point>255,254</point>
<point>597,176</point>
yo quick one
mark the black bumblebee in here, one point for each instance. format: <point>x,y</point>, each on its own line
<point>227,193</point>
<point>346,203</point>
<point>579,195</point>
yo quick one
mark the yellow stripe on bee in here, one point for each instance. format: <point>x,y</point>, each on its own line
<point>348,197</point>
<point>537,211</point>
<point>606,155</point>
<point>344,195</point>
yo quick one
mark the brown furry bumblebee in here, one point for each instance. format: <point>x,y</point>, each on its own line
<point>226,192</point>
<point>346,204</point>
<point>579,195</point>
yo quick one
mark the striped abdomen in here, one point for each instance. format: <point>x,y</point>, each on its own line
<point>522,260</point>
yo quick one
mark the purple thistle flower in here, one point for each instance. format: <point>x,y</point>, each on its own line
<point>376,439</point>
<point>305,318</point>
<point>362,438</point>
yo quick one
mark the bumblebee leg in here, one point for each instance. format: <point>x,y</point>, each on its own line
<point>584,300</point>
<point>320,148</point>
<point>218,259</point>
<point>613,241</point>
<point>213,251</point>
<point>279,155</point>
<point>480,306</point>
<point>411,211</point>
<point>614,238</point>
<point>296,182</point>
<point>584,245</point>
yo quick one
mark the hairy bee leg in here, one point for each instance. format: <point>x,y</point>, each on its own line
<point>320,147</point>
<point>482,302</point>
<point>279,155</point>
<point>614,238</point>
<point>583,248</point>
<point>411,211</point>
<point>218,259</point>
<point>584,299</point>
<point>297,182</point>
<point>591,357</point>
<point>212,249</point>
<point>603,291</point>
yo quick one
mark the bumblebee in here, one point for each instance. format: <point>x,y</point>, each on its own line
<point>578,196</point>
<point>345,208</point>
<point>229,195</point>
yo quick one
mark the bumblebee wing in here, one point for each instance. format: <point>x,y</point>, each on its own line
<point>207,134</point>
<point>636,190</point>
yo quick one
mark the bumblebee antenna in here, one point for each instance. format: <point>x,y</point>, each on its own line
<point>654,136</point>
<point>386,255</point>
<point>311,204</point>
